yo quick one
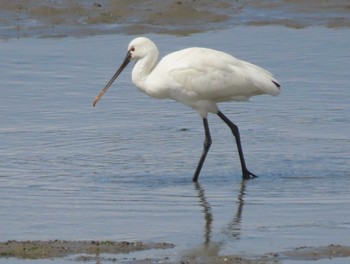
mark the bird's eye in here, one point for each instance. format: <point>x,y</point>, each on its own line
<point>132,49</point>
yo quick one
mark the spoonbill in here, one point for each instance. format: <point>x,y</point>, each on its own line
<point>199,78</point>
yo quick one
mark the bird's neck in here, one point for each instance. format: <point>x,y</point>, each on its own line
<point>143,68</point>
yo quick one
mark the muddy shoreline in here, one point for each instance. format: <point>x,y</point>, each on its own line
<point>95,250</point>
<point>29,18</point>
<point>38,249</point>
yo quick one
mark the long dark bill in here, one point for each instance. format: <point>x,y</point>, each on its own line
<point>121,68</point>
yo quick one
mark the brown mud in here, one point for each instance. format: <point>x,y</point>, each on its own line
<point>94,250</point>
<point>61,248</point>
<point>28,18</point>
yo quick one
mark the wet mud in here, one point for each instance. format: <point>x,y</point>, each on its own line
<point>62,248</point>
<point>26,18</point>
<point>95,250</point>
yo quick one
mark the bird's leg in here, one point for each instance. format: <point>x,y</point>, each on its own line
<point>207,144</point>
<point>246,173</point>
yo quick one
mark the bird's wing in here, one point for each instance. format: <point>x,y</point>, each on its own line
<point>214,75</point>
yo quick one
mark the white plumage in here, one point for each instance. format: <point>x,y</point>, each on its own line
<point>199,78</point>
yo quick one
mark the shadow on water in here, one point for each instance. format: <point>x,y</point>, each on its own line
<point>209,247</point>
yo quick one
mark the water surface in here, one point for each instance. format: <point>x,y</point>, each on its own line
<point>122,170</point>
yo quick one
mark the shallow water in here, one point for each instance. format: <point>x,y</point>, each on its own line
<point>122,170</point>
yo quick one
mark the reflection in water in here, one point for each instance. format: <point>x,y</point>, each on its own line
<point>234,227</point>
<point>208,216</point>
<point>208,248</point>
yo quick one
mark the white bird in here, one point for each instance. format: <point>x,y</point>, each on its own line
<point>199,78</point>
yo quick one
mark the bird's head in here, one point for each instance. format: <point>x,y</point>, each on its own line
<point>138,48</point>
<point>141,47</point>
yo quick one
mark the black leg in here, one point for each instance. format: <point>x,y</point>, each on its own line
<point>207,144</point>
<point>246,173</point>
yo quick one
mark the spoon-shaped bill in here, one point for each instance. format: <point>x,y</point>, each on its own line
<point>121,68</point>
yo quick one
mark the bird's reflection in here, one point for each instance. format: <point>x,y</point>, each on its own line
<point>208,248</point>
<point>208,216</point>
<point>234,227</point>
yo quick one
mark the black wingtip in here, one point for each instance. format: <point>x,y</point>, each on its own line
<point>277,84</point>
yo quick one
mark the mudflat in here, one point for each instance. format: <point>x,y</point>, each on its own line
<point>24,18</point>
<point>89,250</point>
